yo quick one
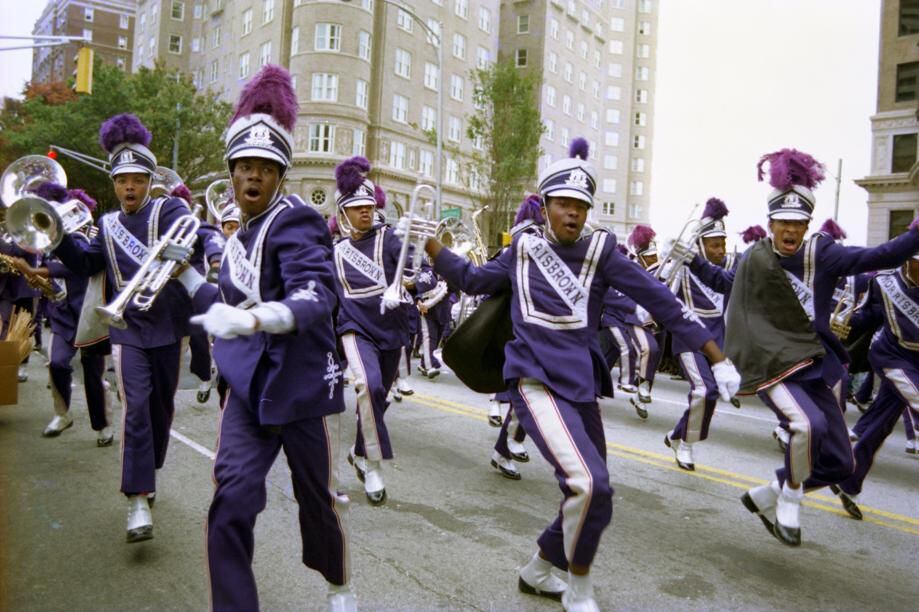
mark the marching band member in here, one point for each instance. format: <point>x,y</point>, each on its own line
<point>433,308</point>
<point>16,294</point>
<point>554,368</point>
<point>147,351</point>
<point>708,305</point>
<point>64,316</point>
<point>271,315</point>
<point>618,319</point>
<point>229,221</point>
<point>365,264</point>
<point>893,304</point>
<point>643,245</point>
<point>778,332</point>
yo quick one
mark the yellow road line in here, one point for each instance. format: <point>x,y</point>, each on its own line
<point>665,462</point>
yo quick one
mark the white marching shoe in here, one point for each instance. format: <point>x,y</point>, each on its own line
<point>341,599</point>
<point>682,451</point>
<point>761,502</point>
<point>104,437</point>
<point>787,516</point>
<point>403,386</point>
<point>518,451</point>
<point>204,391</point>
<point>536,578</point>
<point>494,414</point>
<point>579,596</point>
<point>59,423</point>
<point>644,392</point>
<point>912,447</point>
<point>23,374</point>
<point>505,466</point>
<point>140,519</point>
<point>373,483</point>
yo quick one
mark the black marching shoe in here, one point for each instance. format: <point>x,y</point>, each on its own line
<point>848,503</point>
<point>640,410</point>
<point>504,466</point>
<point>790,536</point>
<point>358,464</point>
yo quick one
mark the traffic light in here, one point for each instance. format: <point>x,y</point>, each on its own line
<point>506,239</point>
<point>84,80</point>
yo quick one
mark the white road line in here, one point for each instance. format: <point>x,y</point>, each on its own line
<point>193,445</point>
<point>733,412</point>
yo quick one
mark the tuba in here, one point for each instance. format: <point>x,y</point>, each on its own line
<point>218,196</point>
<point>164,181</point>
<point>455,235</point>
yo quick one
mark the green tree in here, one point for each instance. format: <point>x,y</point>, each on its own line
<point>49,116</point>
<point>508,125</point>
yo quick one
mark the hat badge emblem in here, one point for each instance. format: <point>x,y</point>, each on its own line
<point>792,200</point>
<point>259,136</point>
<point>577,178</point>
<point>127,157</point>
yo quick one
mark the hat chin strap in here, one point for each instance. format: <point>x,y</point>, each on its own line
<point>547,228</point>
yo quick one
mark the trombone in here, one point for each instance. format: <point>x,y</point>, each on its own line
<point>163,181</point>
<point>420,230</point>
<point>669,266</point>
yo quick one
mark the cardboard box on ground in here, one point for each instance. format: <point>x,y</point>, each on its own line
<point>14,346</point>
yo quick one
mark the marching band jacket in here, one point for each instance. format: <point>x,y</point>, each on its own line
<point>65,315</point>
<point>893,304</point>
<point>119,248</point>
<point>618,310</point>
<point>707,304</point>
<point>282,255</point>
<point>557,295</point>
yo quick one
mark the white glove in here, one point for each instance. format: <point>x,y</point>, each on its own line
<point>274,317</point>
<point>191,279</point>
<point>727,378</point>
<point>388,303</point>
<point>225,321</point>
<point>681,252</point>
<point>403,226</point>
<point>176,252</point>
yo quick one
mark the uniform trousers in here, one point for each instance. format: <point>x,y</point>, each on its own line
<point>200,347</point>
<point>648,352</point>
<point>899,390</point>
<point>703,397</point>
<point>374,373</point>
<point>245,453</point>
<point>92,358</point>
<point>148,378</point>
<point>569,435</point>
<point>819,452</point>
<point>431,331</point>
<point>510,426</point>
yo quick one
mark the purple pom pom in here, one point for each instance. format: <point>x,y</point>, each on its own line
<point>121,129</point>
<point>79,194</point>
<point>753,233</point>
<point>530,209</point>
<point>579,147</point>
<point>832,229</point>
<point>380,196</point>
<point>349,174</point>
<point>641,237</point>
<point>790,167</point>
<point>271,91</point>
<point>53,192</point>
<point>714,209</point>
<point>181,191</point>
<point>333,226</point>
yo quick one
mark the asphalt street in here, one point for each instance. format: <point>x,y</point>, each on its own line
<point>453,531</point>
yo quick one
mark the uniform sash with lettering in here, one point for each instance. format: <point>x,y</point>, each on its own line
<point>372,269</point>
<point>896,298</point>
<point>117,234</point>
<point>245,268</point>
<point>717,299</point>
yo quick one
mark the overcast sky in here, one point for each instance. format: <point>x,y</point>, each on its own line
<point>736,79</point>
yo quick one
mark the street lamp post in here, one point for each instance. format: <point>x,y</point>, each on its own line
<point>435,39</point>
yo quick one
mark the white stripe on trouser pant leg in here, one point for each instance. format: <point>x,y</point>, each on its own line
<point>644,351</point>
<point>625,364</point>
<point>904,386</point>
<point>799,456</point>
<point>558,440</point>
<point>426,343</point>
<point>60,408</point>
<point>331,425</point>
<point>697,397</point>
<point>116,361</point>
<point>372,448</point>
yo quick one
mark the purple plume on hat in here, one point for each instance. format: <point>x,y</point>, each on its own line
<point>181,191</point>
<point>349,174</point>
<point>530,209</point>
<point>121,129</point>
<point>380,196</point>
<point>621,248</point>
<point>271,91</point>
<point>833,230</point>
<point>752,234</point>
<point>790,167</point>
<point>333,226</point>
<point>53,192</point>
<point>714,209</point>
<point>79,194</point>
<point>641,237</point>
<point>579,147</point>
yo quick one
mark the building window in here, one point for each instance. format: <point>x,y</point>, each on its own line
<point>360,94</point>
<point>178,10</point>
<point>214,72</point>
<point>247,21</point>
<point>359,143</point>
<point>635,210</point>
<point>175,43</point>
<point>904,152</point>
<point>644,50</point>
<point>552,62</point>
<point>426,163</point>
<point>87,34</point>
<point>363,45</point>
<point>615,70</point>
<point>431,76</point>
<point>899,222</point>
<point>428,118</point>
<point>641,96</point>
<point>595,89</point>
<point>642,73</point>
<point>617,24</point>
<point>550,95</point>
<point>644,6</point>
<point>569,39</point>
<point>485,20</point>
<point>199,10</point>
<point>523,24</point>
<point>566,104</point>
<point>151,46</point>
<point>636,188</point>
<point>461,8</point>
<point>906,81</point>
<point>615,47</point>
<point>638,142</point>
<point>325,87</point>
<point>582,81</point>
<point>322,138</point>
<point>459,46</point>
<point>123,22</point>
<point>641,119</point>
<point>404,21</point>
<point>568,73</point>
<point>610,162</point>
<point>580,112</point>
<point>119,61</point>
<point>397,155</point>
<point>88,14</point>
<point>609,209</point>
<point>594,119</point>
<point>143,21</point>
<point>612,115</point>
<point>244,65</point>
<point>550,129</point>
<point>452,173</point>
<point>264,54</point>
<point>434,26</point>
<point>328,37</point>
<point>583,49</point>
<point>454,127</point>
<point>613,92</point>
<point>403,67</point>
<point>267,10</point>
<point>609,185</point>
<point>122,42</point>
<point>482,57</point>
<point>295,40</point>
<point>908,18</point>
<point>400,108</point>
<point>367,5</point>
<point>456,87</point>
<point>638,164</point>
<point>644,27</point>
<point>215,38</point>
<point>196,45</point>
<point>611,139</point>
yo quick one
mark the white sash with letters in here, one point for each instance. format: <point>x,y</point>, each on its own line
<point>558,275</point>
<point>360,262</point>
<point>717,299</point>
<point>130,244</point>
<point>896,296</point>
<point>244,274</point>
<point>804,294</point>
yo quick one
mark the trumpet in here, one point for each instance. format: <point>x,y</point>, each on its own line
<point>420,230</point>
<point>154,272</point>
<point>669,266</point>
<point>47,288</point>
<point>845,308</point>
